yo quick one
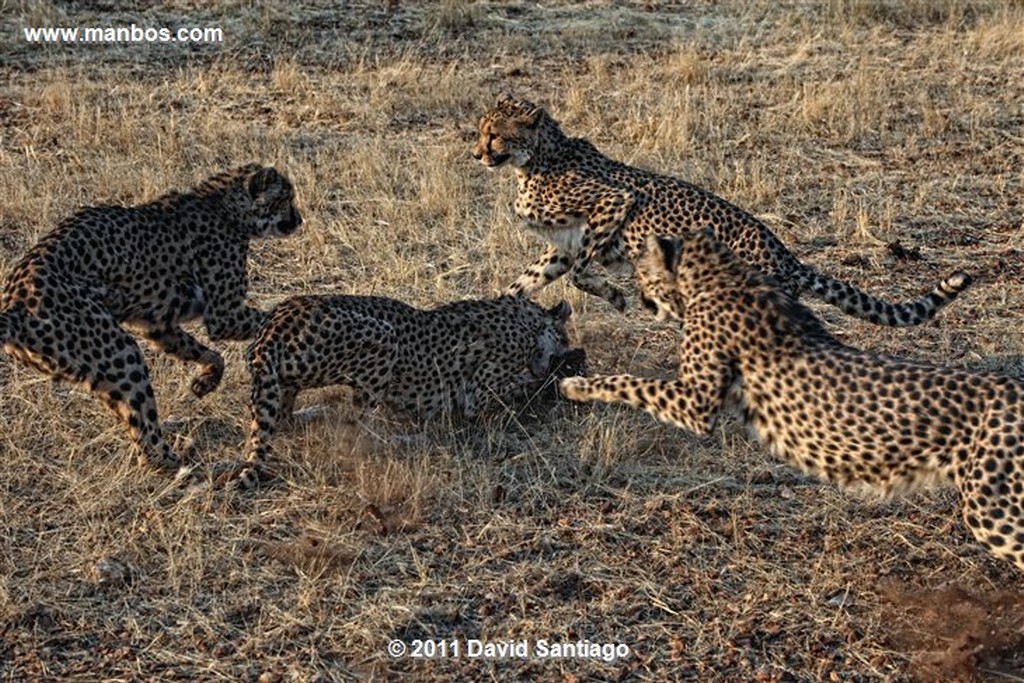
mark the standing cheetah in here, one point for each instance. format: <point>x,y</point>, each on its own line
<point>594,209</point>
<point>149,267</point>
<point>848,416</point>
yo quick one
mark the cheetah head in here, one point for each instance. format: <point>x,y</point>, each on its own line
<point>552,340</point>
<point>656,273</point>
<point>270,201</point>
<point>508,132</point>
<point>553,358</point>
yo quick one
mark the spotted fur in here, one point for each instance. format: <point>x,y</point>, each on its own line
<point>851,417</point>
<point>457,359</point>
<point>592,209</point>
<point>148,268</point>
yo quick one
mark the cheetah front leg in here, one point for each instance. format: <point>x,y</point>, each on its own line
<point>226,314</point>
<point>693,401</point>
<point>608,218</point>
<point>236,323</point>
<point>669,402</point>
<point>583,277</point>
<point>180,344</point>
<point>552,264</point>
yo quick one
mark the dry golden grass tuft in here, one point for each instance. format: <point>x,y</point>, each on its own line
<point>846,125</point>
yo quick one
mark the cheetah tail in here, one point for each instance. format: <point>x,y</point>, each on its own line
<point>853,301</point>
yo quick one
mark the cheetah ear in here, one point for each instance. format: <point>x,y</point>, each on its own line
<point>668,250</point>
<point>531,118</point>
<point>260,180</point>
<point>532,114</point>
<point>560,311</point>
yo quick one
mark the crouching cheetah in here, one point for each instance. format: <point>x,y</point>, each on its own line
<point>593,209</point>
<point>459,358</point>
<point>149,267</point>
<point>848,416</point>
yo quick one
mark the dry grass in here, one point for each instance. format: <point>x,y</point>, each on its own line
<point>847,125</point>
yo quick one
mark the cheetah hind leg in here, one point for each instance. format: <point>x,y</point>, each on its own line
<point>272,403</point>
<point>123,384</point>
<point>129,394</point>
<point>993,505</point>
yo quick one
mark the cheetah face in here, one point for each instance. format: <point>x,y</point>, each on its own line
<point>508,133</point>
<point>656,273</point>
<point>272,210</point>
<point>552,341</point>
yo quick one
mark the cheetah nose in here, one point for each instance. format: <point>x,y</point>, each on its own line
<point>287,226</point>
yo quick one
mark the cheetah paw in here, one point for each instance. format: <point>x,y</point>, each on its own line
<point>240,476</point>
<point>206,382</point>
<point>307,415</point>
<point>573,388</point>
<point>618,300</point>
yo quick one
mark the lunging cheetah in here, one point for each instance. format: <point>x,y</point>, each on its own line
<point>593,209</point>
<point>848,416</point>
<point>149,267</point>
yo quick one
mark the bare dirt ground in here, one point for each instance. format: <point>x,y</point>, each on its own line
<point>846,125</point>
